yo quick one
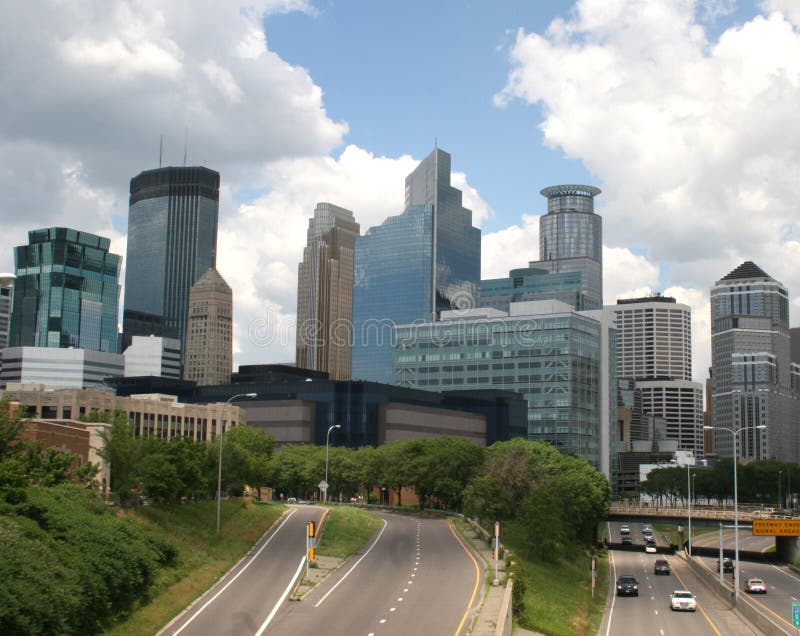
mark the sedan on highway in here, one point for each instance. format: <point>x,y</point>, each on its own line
<point>755,586</point>
<point>627,585</point>
<point>682,600</point>
<point>727,565</point>
<point>661,567</point>
<point>650,547</point>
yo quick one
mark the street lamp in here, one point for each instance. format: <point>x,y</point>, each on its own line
<point>734,434</point>
<point>327,442</point>
<point>689,497</point>
<point>780,502</point>
<point>219,470</point>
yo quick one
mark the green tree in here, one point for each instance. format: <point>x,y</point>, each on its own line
<point>121,450</point>
<point>245,459</point>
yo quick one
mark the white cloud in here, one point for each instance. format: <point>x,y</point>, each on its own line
<point>510,248</point>
<point>694,142</point>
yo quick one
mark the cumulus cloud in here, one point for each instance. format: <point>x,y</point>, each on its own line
<point>695,141</point>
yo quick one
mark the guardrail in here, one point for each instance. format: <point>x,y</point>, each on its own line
<point>722,514</point>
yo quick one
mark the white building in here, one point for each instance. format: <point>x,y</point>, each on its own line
<point>56,368</point>
<point>153,355</point>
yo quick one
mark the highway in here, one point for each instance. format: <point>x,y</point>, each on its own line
<point>251,593</point>
<point>649,612</point>
<point>415,578</point>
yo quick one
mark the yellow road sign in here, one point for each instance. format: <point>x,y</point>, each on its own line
<point>776,527</point>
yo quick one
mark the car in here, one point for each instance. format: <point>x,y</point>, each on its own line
<point>682,601</point>
<point>626,539</point>
<point>648,536</point>
<point>650,547</point>
<point>661,567</point>
<point>647,529</point>
<point>755,586</point>
<point>627,585</point>
<point>727,565</point>
<point>292,500</point>
<point>624,529</point>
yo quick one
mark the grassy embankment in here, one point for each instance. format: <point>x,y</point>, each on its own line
<point>346,530</point>
<point>203,556</point>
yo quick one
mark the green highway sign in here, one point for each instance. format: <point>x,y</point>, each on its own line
<point>796,614</point>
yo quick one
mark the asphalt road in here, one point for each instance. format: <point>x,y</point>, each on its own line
<point>253,592</point>
<point>416,577</point>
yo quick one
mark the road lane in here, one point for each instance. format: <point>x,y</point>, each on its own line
<point>241,601</point>
<point>415,579</point>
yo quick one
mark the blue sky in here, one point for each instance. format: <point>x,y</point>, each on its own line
<point>684,113</point>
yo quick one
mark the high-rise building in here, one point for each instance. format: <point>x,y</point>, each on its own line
<point>529,284</point>
<point>654,350</point>
<point>209,331</point>
<point>67,291</point>
<point>751,366</point>
<point>571,239</point>
<point>56,368</point>
<point>559,360</point>
<point>172,242</point>
<point>6,286</point>
<point>325,292</point>
<point>413,266</point>
<point>153,355</point>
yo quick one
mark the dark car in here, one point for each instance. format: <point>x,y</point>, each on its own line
<point>661,567</point>
<point>727,565</point>
<point>626,539</point>
<point>627,585</point>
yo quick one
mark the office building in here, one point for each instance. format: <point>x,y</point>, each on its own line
<point>532,283</point>
<point>66,293</point>
<point>751,366</point>
<point>571,239</point>
<point>561,362</point>
<point>55,368</point>
<point>152,355</point>
<point>209,331</point>
<point>172,241</point>
<point>325,292</point>
<point>413,266</point>
<point>6,287</point>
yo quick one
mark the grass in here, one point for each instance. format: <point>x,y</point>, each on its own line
<point>671,530</point>
<point>346,530</point>
<point>203,555</point>
<point>558,596</point>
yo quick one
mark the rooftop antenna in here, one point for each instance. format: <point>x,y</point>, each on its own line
<point>160,149</point>
<point>185,145</point>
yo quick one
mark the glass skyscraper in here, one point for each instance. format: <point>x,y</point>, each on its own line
<point>751,366</point>
<point>172,241</point>
<point>413,266</point>
<point>66,293</point>
<point>532,283</point>
<point>571,239</point>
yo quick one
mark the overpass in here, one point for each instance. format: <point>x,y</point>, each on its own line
<point>786,528</point>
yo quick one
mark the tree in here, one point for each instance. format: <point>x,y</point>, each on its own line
<point>121,450</point>
<point>245,459</point>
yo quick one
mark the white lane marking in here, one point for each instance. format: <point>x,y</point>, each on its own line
<point>662,632</point>
<point>405,589</point>
<point>410,582</point>
<point>399,599</point>
<point>782,571</point>
<point>613,596</point>
<point>392,609</point>
<point>225,587</point>
<point>283,597</point>
<point>382,621</point>
<point>363,556</point>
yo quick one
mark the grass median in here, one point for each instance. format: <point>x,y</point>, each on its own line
<point>346,530</point>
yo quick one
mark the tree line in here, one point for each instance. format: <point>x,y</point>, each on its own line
<point>767,483</point>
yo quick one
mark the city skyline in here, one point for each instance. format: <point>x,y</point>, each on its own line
<point>689,134</point>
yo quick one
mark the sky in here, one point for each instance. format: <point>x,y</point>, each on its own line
<point>683,112</point>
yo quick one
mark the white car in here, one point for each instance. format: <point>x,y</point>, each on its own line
<point>682,600</point>
<point>650,547</point>
<point>624,529</point>
<point>755,586</point>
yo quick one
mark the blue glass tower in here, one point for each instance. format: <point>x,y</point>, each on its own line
<point>172,242</point>
<point>532,283</point>
<point>66,293</point>
<point>413,266</point>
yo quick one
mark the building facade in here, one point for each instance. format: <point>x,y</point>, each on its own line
<point>6,287</point>
<point>54,368</point>
<point>571,239</point>
<point>151,355</point>
<point>413,266</point>
<point>208,355</point>
<point>559,360</point>
<point>66,293</point>
<point>325,292</point>
<point>172,242</point>
<point>530,284</point>
<point>751,366</point>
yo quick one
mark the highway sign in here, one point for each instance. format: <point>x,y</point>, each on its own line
<point>776,527</point>
<point>796,614</point>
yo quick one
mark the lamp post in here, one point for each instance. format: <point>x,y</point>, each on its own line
<point>219,470</point>
<point>327,442</point>
<point>689,497</point>
<point>734,434</point>
<point>780,501</point>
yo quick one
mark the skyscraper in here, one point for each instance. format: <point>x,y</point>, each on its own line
<point>209,331</point>
<point>325,292</point>
<point>571,239</point>
<point>751,366</point>
<point>172,242</point>
<point>66,293</point>
<point>6,285</point>
<point>413,266</point>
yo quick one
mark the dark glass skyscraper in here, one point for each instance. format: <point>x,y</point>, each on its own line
<point>413,266</point>
<point>571,239</point>
<point>172,242</point>
<point>66,293</point>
